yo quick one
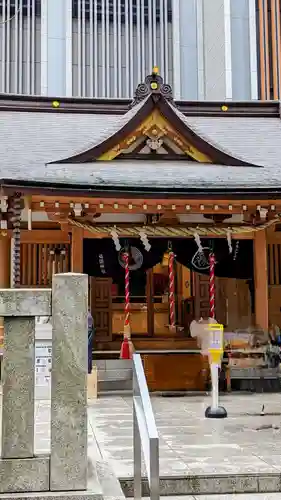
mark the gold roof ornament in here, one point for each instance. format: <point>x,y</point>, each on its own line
<point>153,84</point>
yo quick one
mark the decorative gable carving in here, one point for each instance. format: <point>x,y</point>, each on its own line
<point>155,136</point>
<point>154,126</point>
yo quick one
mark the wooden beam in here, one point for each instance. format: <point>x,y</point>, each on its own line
<point>41,202</point>
<point>261,280</point>
<point>44,236</point>
<point>5,256</point>
<point>77,250</point>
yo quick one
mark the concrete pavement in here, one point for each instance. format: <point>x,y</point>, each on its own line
<point>241,453</point>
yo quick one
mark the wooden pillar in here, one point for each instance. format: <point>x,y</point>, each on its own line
<point>77,250</point>
<point>5,251</point>
<point>261,280</point>
<point>150,302</point>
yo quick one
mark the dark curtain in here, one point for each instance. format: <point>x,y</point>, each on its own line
<point>102,260</point>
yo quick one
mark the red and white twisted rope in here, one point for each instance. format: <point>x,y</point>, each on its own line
<point>127,289</point>
<point>212,284</point>
<point>171,289</point>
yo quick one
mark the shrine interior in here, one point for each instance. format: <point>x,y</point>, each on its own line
<point>149,285</point>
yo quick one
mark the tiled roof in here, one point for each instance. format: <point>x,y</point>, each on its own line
<point>30,140</point>
<point>164,175</point>
<point>252,139</point>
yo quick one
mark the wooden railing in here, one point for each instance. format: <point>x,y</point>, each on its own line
<point>39,261</point>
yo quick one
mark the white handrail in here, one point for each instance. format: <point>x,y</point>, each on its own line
<point>145,433</point>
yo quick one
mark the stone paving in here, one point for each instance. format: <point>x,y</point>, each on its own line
<point>255,496</point>
<point>244,443</point>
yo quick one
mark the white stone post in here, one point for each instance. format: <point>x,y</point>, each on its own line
<point>68,463</point>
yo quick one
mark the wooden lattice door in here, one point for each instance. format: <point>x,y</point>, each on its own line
<point>101,307</point>
<point>39,261</point>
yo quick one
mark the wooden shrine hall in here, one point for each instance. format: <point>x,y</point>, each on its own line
<point>84,179</point>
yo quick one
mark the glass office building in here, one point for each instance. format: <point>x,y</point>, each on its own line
<point>207,49</point>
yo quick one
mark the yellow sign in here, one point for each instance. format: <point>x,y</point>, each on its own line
<point>215,342</point>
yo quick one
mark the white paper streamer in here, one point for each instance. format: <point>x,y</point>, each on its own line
<point>144,240</point>
<point>198,241</point>
<point>236,250</point>
<point>116,240</point>
<point>101,263</point>
<point>229,240</point>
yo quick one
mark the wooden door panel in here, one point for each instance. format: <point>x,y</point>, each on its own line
<point>202,303</point>
<point>101,307</point>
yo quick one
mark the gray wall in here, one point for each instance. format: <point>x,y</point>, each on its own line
<point>242,49</point>
<point>215,64</point>
<point>218,55</point>
<point>56,47</point>
<point>188,49</point>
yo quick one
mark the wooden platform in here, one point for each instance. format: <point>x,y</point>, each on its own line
<point>167,363</point>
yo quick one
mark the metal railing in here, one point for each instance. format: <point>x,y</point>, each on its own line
<point>145,434</point>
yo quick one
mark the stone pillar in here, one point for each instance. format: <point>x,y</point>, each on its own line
<point>261,279</point>
<point>19,307</point>
<point>68,465</point>
<point>18,388</point>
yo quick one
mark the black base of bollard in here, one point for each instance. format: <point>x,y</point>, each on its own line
<point>219,412</point>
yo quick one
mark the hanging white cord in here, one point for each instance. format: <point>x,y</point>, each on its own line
<point>12,17</point>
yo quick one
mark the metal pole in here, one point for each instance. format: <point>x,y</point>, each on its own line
<point>215,385</point>
<point>154,469</point>
<point>137,457</point>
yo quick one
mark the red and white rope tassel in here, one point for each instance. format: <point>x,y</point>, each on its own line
<point>127,346</point>
<point>172,290</point>
<point>127,290</point>
<point>212,284</point>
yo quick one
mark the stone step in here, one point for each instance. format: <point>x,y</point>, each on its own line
<point>215,484</point>
<point>114,374</point>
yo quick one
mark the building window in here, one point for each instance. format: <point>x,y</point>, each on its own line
<point>11,8</point>
<point>99,5</point>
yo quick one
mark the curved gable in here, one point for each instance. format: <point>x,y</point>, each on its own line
<point>154,126</point>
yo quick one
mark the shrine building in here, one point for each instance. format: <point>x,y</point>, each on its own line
<point>84,179</point>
